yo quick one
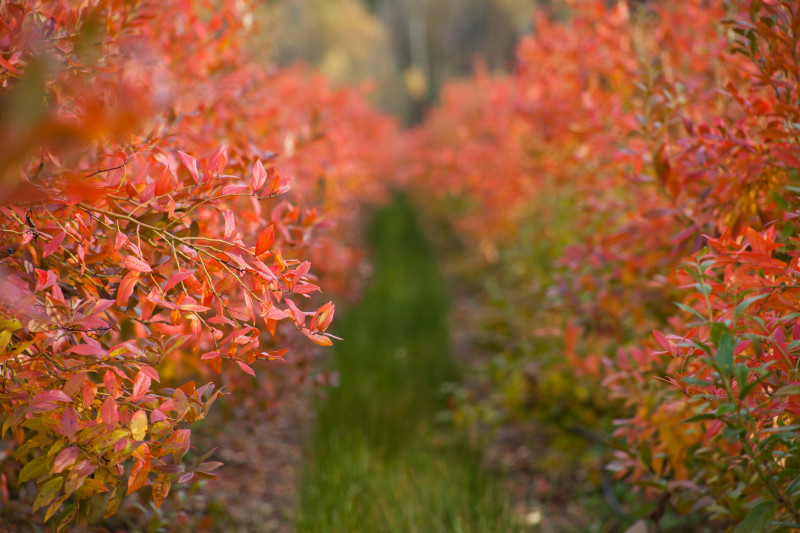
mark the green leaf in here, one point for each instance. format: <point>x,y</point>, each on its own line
<point>66,517</point>
<point>757,519</point>
<point>747,302</point>
<point>115,501</point>
<point>781,429</point>
<point>54,506</point>
<point>703,288</point>
<point>700,417</point>
<point>34,469</point>
<point>741,372</point>
<point>691,380</point>
<point>725,346</point>
<point>47,492</point>
<point>691,310</point>
<point>787,390</point>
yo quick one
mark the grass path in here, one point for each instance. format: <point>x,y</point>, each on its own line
<point>377,460</point>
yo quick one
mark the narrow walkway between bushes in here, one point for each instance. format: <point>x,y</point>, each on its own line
<point>380,458</point>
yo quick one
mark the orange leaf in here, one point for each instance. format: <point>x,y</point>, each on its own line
<point>265,240</point>
<point>321,340</point>
<point>138,475</point>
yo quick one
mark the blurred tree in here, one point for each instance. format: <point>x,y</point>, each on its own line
<point>408,47</point>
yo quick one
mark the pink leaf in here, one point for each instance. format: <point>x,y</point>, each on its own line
<point>230,223</point>
<point>65,458</point>
<point>233,189</point>
<point>259,176</point>
<point>137,265</point>
<point>662,340</point>
<point>190,163</point>
<point>244,366</point>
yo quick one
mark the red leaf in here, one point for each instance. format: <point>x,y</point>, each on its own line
<point>88,349</point>
<point>110,412</point>
<point>306,288</point>
<point>193,307</point>
<point>301,270</point>
<point>54,244</point>
<point>297,314</point>
<point>141,385</point>
<point>136,264</point>
<point>74,383</point>
<point>120,241</point>
<point>52,396</point>
<point>239,261</point>
<point>244,366</point>
<point>69,423</point>
<point>45,279</point>
<point>164,182</point>
<point>151,372</point>
<point>215,163</point>
<point>209,355</point>
<point>112,384</point>
<point>757,242</point>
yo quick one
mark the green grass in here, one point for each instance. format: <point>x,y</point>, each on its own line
<point>377,459</point>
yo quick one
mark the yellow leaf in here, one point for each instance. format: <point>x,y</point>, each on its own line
<point>161,488</point>
<point>139,425</point>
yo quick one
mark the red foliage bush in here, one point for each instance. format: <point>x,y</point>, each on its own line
<point>144,218</point>
<point>674,130</point>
